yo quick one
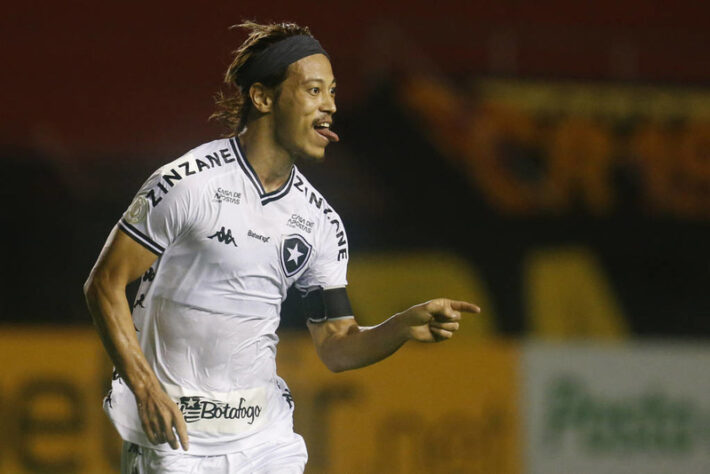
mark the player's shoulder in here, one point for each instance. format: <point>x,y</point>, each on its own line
<point>312,203</point>
<point>201,162</point>
<point>194,168</point>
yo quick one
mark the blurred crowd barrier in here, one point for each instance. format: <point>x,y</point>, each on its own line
<point>464,406</point>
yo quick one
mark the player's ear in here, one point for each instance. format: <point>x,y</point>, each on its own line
<point>262,97</point>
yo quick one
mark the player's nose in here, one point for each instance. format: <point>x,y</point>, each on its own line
<point>328,104</point>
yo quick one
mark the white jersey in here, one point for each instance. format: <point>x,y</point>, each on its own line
<point>208,309</point>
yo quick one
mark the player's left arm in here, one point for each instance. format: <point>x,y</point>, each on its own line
<point>343,345</point>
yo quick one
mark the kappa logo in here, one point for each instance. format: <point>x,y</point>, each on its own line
<point>197,408</point>
<point>288,397</point>
<point>149,275</point>
<point>295,252</point>
<point>108,399</point>
<point>139,301</point>
<point>224,235</point>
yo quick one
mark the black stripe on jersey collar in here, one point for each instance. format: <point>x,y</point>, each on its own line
<point>251,174</point>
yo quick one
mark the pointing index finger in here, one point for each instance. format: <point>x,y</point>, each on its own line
<point>465,306</point>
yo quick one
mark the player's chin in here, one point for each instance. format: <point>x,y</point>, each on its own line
<point>314,153</point>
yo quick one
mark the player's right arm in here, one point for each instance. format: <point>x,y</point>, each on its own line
<point>123,260</point>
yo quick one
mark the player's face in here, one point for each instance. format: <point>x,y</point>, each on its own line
<point>305,106</point>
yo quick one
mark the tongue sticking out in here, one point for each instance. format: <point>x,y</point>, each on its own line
<point>329,134</point>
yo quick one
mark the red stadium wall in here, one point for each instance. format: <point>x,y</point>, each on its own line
<point>90,77</point>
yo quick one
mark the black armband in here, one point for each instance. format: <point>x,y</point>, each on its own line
<point>320,305</point>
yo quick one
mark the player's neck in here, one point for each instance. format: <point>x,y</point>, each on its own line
<point>271,163</point>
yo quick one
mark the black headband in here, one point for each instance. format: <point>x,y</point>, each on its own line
<point>277,57</point>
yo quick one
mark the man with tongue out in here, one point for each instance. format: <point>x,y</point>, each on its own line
<point>216,238</point>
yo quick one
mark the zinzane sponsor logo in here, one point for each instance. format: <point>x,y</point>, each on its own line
<point>189,167</point>
<point>196,408</point>
<point>318,201</point>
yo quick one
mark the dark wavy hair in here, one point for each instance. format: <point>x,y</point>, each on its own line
<point>232,106</point>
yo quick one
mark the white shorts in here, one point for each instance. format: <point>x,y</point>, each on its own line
<point>285,456</point>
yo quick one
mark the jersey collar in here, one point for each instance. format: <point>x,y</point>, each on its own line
<point>251,174</point>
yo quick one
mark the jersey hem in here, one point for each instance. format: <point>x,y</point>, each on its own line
<point>198,447</point>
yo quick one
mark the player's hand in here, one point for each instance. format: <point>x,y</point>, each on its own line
<point>435,320</point>
<point>161,418</point>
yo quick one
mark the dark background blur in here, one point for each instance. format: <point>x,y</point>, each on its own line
<point>488,129</point>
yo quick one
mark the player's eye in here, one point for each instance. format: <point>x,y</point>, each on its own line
<point>332,91</point>
<point>314,90</point>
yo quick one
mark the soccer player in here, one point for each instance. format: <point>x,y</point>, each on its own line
<point>217,237</point>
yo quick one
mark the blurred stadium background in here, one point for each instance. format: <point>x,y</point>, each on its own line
<point>547,160</point>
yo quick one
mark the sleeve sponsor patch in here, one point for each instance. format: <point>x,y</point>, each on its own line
<point>137,211</point>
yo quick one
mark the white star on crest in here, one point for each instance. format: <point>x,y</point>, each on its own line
<point>294,254</point>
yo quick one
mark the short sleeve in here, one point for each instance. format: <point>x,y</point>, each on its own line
<point>329,269</point>
<point>158,214</point>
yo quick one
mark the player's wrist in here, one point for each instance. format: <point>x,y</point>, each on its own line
<point>142,384</point>
<point>401,326</point>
